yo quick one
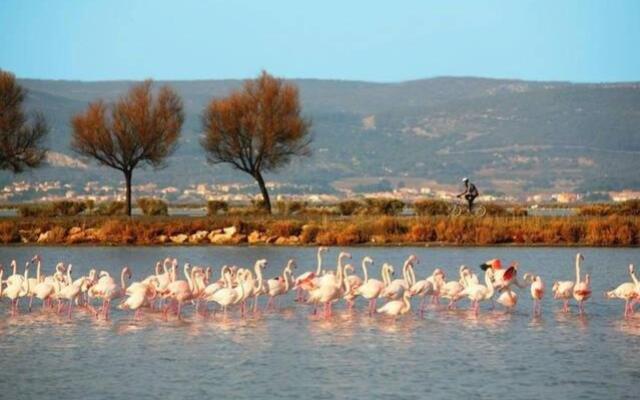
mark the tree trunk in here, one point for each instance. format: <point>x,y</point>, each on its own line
<point>263,190</point>
<point>127,177</point>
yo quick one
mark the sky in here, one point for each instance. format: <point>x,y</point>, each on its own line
<point>384,41</point>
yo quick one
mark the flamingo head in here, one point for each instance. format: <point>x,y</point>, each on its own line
<point>414,259</point>
<point>493,264</point>
<point>344,254</point>
<point>368,260</point>
<point>127,271</point>
<point>579,257</point>
<point>262,263</point>
<point>36,258</point>
<point>348,267</point>
<point>323,249</point>
<point>292,264</point>
<point>631,268</point>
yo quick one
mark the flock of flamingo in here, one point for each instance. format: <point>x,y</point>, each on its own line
<point>164,292</point>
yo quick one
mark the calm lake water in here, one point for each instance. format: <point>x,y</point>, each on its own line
<point>290,354</point>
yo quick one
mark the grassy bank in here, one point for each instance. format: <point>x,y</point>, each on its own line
<point>324,230</point>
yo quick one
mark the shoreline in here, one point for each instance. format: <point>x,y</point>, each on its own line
<point>311,231</point>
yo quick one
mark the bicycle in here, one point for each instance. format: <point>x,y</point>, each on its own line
<point>459,207</point>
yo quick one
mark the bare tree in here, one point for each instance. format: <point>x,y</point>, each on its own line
<point>137,129</point>
<point>20,142</point>
<point>256,129</point>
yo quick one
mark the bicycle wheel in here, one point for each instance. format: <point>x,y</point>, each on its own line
<point>456,210</point>
<point>479,211</point>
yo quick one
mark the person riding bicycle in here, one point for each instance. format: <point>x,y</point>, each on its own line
<point>470,192</point>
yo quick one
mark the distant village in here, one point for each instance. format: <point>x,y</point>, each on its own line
<point>25,191</point>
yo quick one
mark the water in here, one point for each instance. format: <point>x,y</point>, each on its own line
<point>289,354</point>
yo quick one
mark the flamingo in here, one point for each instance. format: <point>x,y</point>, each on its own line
<point>351,283</point>
<point>70,292</point>
<point>581,289</point>
<point>18,287</point>
<point>396,308</point>
<point>304,281</point>
<point>508,299</point>
<point>372,288</point>
<point>180,290</point>
<point>450,290</point>
<point>478,292</point>
<point>537,291</point>
<point>626,291</point>
<point>397,286</point>
<point>227,295</point>
<point>330,287</point>
<point>139,295</point>
<point>259,287</point>
<point>110,290</point>
<point>279,285</point>
<point>423,288</point>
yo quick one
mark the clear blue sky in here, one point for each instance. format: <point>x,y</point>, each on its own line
<point>365,40</point>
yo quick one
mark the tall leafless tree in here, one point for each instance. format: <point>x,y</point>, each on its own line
<point>20,141</point>
<point>256,129</point>
<point>138,129</point>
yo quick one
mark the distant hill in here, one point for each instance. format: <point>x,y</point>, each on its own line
<point>510,136</point>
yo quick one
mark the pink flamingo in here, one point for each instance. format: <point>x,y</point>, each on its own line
<point>537,291</point>
<point>581,289</point>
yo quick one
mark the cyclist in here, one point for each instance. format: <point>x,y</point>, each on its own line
<point>470,192</point>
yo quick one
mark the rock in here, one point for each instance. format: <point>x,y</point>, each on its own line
<point>214,233</point>
<point>44,237</point>
<point>256,237</point>
<point>91,234</point>
<point>162,239</point>
<point>378,239</point>
<point>237,239</point>
<point>287,240</point>
<point>271,239</point>
<point>230,230</point>
<point>75,230</point>
<point>198,237</point>
<point>77,237</point>
<point>220,238</point>
<point>179,239</point>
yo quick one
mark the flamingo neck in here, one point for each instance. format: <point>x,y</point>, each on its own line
<point>319,268</point>
<point>364,270</point>
<point>287,277</point>
<point>123,283</point>
<point>188,276</point>
<point>577,269</point>
<point>258,269</point>
<point>407,303</point>
<point>633,276</point>
<point>489,283</point>
<point>38,271</point>
<point>14,265</point>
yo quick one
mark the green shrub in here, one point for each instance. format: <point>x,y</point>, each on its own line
<point>285,228</point>
<point>68,208</point>
<point>431,207</point>
<point>495,210</point>
<point>150,206</point>
<point>111,208</point>
<point>290,207</point>
<point>214,207</point>
<point>309,234</point>
<point>35,210</point>
<point>381,206</point>
<point>349,207</point>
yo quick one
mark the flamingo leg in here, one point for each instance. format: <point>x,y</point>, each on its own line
<point>70,307</point>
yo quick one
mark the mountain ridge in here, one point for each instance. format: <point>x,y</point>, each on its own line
<point>511,136</point>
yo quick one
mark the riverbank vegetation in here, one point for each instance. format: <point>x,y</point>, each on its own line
<point>319,229</point>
